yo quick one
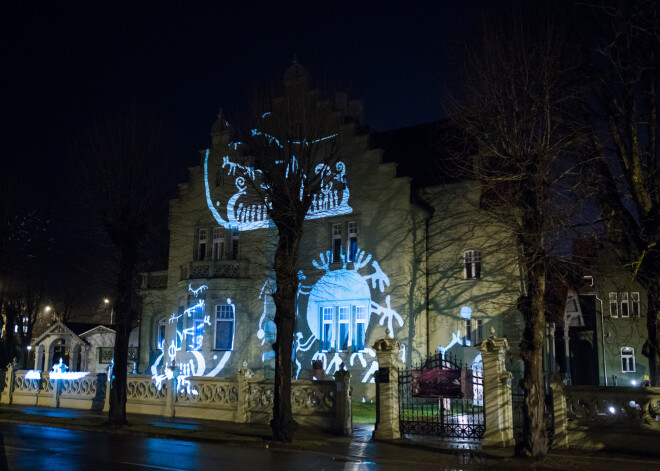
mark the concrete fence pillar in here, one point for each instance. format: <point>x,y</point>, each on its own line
<point>7,393</point>
<point>498,410</point>
<point>387,389</point>
<point>243,377</point>
<point>560,440</point>
<point>343,423</point>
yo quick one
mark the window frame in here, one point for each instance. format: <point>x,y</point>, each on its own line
<point>217,319</point>
<point>467,337</point>
<point>343,318</point>
<point>327,318</point>
<point>625,302</point>
<point>218,244</point>
<point>614,304</point>
<point>472,264</point>
<point>233,244</point>
<point>202,238</point>
<point>161,325</point>
<point>628,360</point>
<point>360,318</point>
<point>336,242</point>
<point>478,331</point>
<point>352,232</point>
<point>636,304</point>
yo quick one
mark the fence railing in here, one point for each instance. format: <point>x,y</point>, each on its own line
<point>240,399</point>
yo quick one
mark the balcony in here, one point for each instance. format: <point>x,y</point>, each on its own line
<point>154,280</point>
<point>214,269</point>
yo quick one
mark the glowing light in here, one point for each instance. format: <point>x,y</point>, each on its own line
<point>33,374</point>
<point>612,410</point>
<point>332,200</point>
<point>633,382</point>
<point>341,292</point>
<point>198,291</point>
<point>68,375</point>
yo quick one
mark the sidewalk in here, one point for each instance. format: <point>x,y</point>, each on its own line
<point>360,448</point>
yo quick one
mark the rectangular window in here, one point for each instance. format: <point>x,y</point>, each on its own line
<point>472,261</point>
<point>160,336</point>
<point>233,248</point>
<point>627,360</point>
<point>636,307</point>
<point>360,327</point>
<point>25,325</point>
<point>468,333</point>
<point>15,328</point>
<point>352,240</point>
<point>218,243</point>
<point>179,326</point>
<point>344,329</point>
<point>614,305</point>
<point>201,245</point>
<point>336,243</point>
<point>478,332</point>
<point>224,327</point>
<point>625,308</point>
<point>326,333</point>
<point>195,331</point>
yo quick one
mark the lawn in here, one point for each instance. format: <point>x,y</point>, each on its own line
<point>364,413</point>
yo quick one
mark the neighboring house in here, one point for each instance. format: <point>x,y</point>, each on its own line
<point>601,339</point>
<point>385,251</point>
<point>82,347</point>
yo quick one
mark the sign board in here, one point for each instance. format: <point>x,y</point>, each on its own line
<point>434,383</point>
<point>383,375</point>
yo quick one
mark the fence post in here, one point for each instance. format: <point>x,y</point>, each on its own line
<point>343,423</point>
<point>9,385</point>
<point>243,377</point>
<point>170,394</point>
<point>560,439</point>
<point>498,410</point>
<point>387,389</point>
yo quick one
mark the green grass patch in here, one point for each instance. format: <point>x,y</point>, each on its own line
<point>364,413</point>
<point>429,410</point>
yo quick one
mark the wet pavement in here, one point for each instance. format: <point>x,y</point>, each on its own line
<point>33,437</point>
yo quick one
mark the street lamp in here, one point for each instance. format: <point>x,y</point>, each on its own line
<point>106,301</point>
<point>47,308</point>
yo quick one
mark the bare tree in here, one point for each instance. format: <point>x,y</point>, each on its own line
<point>119,164</point>
<point>517,108</point>
<point>293,145</point>
<point>624,113</point>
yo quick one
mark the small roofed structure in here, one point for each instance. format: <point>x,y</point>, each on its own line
<point>81,346</point>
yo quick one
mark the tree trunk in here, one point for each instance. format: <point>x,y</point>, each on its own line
<point>535,440</point>
<point>652,348</point>
<point>286,262</point>
<point>123,316</point>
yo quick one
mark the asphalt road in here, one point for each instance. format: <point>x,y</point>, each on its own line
<point>30,447</point>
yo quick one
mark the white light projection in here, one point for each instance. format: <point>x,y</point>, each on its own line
<point>190,362</point>
<point>239,214</point>
<point>344,289</point>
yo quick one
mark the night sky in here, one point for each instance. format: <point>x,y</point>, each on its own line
<point>66,62</point>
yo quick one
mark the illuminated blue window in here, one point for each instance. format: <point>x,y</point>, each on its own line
<point>328,324</point>
<point>179,327</point>
<point>224,327</point>
<point>352,240</point>
<point>160,335</point>
<point>336,243</point>
<point>360,327</point>
<point>344,328</point>
<point>196,324</point>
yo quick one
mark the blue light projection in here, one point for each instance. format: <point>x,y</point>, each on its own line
<point>332,199</point>
<point>343,293</point>
<point>190,362</point>
<point>455,340</point>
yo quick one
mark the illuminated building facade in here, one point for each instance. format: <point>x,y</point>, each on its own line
<point>381,254</point>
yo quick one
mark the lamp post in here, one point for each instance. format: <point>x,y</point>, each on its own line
<point>27,361</point>
<point>112,309</point>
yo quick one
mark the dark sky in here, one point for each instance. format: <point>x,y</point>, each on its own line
<point>64,62</point>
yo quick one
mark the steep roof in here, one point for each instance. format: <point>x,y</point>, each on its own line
<point>430,153</point>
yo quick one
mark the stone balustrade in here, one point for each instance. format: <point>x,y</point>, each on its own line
<point>241,399</point>
<point>604,406</point>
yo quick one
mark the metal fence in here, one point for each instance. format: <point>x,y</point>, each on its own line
<point>444,417</point>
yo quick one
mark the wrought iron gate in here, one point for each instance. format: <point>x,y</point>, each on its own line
<point>442,417</point>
